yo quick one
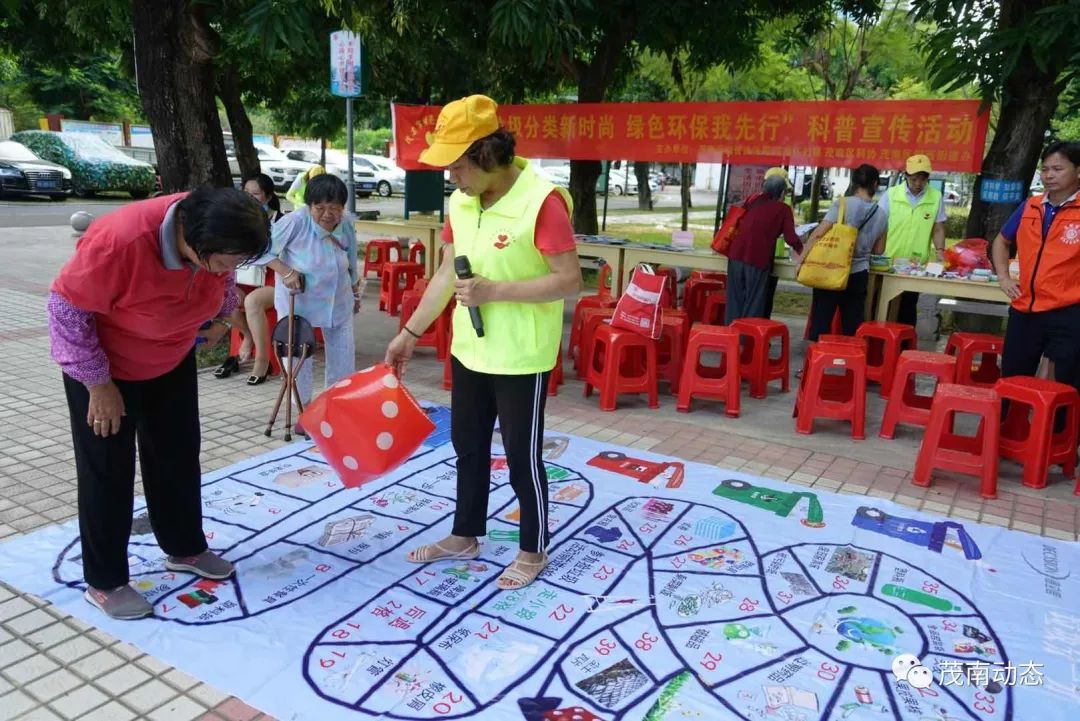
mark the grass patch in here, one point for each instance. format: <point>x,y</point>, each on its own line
<point>213,356</point>
<point>788,302</point>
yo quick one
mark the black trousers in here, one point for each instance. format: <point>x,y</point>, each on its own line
<point>908,308</point>
<point>1053,333</point>
<point>851,301</point>
<point>518,402</point>
<point>163,420</point>
<point>747,292</point>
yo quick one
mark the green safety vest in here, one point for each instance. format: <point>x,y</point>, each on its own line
<point>519,338</point>
<point>911,227</point>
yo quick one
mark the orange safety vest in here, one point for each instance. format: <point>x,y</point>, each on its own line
<point>1049,268</point>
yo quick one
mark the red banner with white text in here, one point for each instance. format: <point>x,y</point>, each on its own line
<point>842,133</point>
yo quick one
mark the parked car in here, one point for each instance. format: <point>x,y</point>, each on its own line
<point>95,165</point>
<point>389,178</point>
<point>624,184</point>
<point>448,185</point>
<point>23,173</point>
<point>273,162</point>
<point>557,174</point>
<point>337,162</point>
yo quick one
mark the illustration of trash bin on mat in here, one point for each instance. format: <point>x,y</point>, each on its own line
<point>781,503</point>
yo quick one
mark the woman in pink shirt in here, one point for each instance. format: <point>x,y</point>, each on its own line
<point>125,314</point>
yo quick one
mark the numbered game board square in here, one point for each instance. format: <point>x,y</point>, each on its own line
<point>394,615</point>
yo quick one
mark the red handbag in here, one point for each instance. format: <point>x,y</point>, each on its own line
<point>638,309</point>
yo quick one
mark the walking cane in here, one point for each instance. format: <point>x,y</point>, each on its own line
<point>299,343</point>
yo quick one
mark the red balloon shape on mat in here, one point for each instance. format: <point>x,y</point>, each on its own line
<point>366,425</point>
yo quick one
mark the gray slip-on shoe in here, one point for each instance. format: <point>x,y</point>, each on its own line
<point>207,564</point>
<point>123,603</point>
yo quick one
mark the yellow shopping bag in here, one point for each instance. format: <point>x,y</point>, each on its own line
<point>828,262</point>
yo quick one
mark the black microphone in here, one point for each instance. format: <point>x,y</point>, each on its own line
<point>464,271</point>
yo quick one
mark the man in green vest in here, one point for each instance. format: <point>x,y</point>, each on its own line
<point>514,228</point>
<point>916,224</point>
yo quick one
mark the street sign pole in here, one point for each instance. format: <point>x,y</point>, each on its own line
<point>349,133</point>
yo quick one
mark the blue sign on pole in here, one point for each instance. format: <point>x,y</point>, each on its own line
<point>996,190</point>
<point>346,64</point>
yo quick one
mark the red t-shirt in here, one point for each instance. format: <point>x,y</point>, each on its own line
<point>146,314</point>
<point>553,233</point>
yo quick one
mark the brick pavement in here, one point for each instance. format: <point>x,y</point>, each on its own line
<point>53,666</point>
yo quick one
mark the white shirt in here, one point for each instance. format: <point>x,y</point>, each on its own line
<point>883,202</point>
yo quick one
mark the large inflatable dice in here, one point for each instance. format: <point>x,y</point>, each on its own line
<point>366,425</point>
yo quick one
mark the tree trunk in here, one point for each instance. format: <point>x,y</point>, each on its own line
<point>583,176</point>
<point>322,152</point>
<point>815,194</point>
<point>243,138</point>
<point>644,192</point>
<point>174,48</point>
<point>684,193</point>
<point>1028,103</point>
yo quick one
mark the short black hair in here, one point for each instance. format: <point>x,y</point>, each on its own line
<point>223,220</point>
<point>266,185</point>
<point>325,188</point>
<point>1069,149</point>
<point>865,176</point>
<point>493,150</point>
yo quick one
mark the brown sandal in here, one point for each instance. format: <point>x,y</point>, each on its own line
<point>438,552</point>
<point>513,573</point>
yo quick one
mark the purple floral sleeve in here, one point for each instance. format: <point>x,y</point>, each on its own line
<point>232,298</point>
<point>74,340</point>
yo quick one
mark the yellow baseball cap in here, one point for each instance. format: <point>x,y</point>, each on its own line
<point>918,164</point>
<point>460,124</point>
<point>778,172</point>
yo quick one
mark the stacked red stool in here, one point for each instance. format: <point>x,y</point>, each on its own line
<point>715,307</point>
<point>591,319</point>
<point>722,382</point>
<point>943,448</point>
<point>614,365</point>
<point>671,347</point>
<point>437,336</point>
<point>416,252</point>
<point>1027,433</point>
<point>601,299</point>
<point>825,395</point>
<point>385,251</point>
<point>905,405</point>
<point>556,379</point>
<point>396,278</point>
<point>669,298</point>
<point>965,346</point>
<point>885,342</point>
<point>696,292</point>
<point>757,364</point>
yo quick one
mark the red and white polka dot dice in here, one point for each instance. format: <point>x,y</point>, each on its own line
<point>366,425</point>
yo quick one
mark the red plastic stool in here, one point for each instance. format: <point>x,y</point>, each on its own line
<point>396,278</point>
<point>715,307</point>
<point>709,275</point>
<point>944,449</point>
<point>1027,433</point>
<point>589,301</point>
<point>591,319</point>
<point>965,346</point>
<point>556,378</point>
<point>669,298</point>
<point>437,335</point>
<point>695,294</point>
<point>907,406</point>
<point>828,395</point>
<point>721,382</point>
<point>416,252</point>
<point>614,363</point>
<point>671,347</point>
<point>837,339</point>
<point>605,285</point>
<point>885,342</point>
<point>837,328</point>
<point>757,364</point>
<point>383,248</point>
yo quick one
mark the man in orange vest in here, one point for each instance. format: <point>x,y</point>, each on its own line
<point>1044,319</point>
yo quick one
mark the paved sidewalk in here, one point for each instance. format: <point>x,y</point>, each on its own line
<point>53,666</point>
